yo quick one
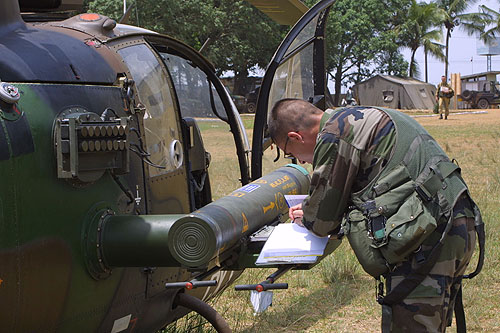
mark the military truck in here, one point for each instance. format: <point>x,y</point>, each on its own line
<point>481,90</point>
<point>485,99</point>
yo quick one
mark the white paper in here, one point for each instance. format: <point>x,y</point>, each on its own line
<point>291,243</point>
<point>261,300</point>
<point>293,200</point>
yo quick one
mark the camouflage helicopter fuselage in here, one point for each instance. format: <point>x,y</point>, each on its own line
<point>93,142</point>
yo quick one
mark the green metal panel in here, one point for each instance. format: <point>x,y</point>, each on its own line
<point>43,217</point>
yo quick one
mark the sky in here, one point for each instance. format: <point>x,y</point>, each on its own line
<point>463,57</point>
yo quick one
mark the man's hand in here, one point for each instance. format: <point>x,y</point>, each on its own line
<point>295,214</point>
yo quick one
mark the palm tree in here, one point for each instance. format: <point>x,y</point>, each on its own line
<point>454,14</point>
<point>492,21</point>
<point>421,29</point>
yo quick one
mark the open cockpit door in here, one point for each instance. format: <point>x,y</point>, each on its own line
<point>297,70</point>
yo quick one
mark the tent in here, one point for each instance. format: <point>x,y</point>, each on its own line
<point>395,92</point>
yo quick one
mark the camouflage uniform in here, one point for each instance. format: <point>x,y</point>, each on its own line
<point>352,148</point>
<point>444,102</point>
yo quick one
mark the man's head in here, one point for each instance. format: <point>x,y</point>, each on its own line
<point>443,79</point>
<point>293,127</point>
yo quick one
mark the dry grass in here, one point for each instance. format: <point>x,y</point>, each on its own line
<point>336,295</point>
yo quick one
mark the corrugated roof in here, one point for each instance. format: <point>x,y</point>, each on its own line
<point>479,74</point>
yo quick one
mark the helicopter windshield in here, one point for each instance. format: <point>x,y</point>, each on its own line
<point>155,93</point>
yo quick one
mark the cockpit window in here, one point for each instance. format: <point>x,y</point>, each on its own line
<point>160,120</point>
<point>193,89</point>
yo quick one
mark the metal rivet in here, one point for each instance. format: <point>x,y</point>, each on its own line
<point>380,210</point>
<point>393,225</point>
<point>411,217</point>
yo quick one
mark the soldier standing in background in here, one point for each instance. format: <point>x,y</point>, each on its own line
<point>444,93</point>
<point>382,181</point>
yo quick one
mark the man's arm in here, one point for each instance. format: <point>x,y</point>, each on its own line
<point>336,165</point>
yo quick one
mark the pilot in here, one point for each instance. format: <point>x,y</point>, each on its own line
<point>381,180</point>
<point>443,94</point>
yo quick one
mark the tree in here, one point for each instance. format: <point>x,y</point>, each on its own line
<point>361,40</point>
<point>454,14</point>
<point>235,35</point>
<point>417,31</point>
<point>492,21</point>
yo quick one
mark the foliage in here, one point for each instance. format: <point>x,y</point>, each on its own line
<point>361,40</point>
<point>363,37</point>
<point>235,36</point>
<point>419,29</point>
<point>492,20</point>
<point>455,15</point>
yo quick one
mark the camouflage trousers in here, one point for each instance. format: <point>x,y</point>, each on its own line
<point>429,308</point>
<point>444,103</point>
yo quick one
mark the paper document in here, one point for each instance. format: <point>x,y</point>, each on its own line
<point>291,243</point>
<point>293,200</point>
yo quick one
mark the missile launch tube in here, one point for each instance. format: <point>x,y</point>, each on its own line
<point>194,239</point>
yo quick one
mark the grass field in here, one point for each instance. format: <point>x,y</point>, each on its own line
<point>336,295</point>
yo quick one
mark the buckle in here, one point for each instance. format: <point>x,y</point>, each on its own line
<point>423,193</point>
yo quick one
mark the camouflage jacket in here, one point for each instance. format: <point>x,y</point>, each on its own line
<point>441,84</point>
<point>352,147</point>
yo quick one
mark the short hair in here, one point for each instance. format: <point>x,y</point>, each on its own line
<point>290,114</point>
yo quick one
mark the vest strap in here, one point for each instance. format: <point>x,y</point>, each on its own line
<point>434,183</point>
<point>481,238</point>
<point>459,313</point>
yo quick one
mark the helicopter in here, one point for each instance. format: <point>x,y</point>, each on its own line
<point>107,222</point>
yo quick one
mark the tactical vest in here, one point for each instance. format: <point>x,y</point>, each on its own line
<point>417,190</point>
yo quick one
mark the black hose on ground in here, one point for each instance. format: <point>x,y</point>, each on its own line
<point>204,310</point>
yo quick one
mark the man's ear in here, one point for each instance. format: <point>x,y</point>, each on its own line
<point>296,136</point>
